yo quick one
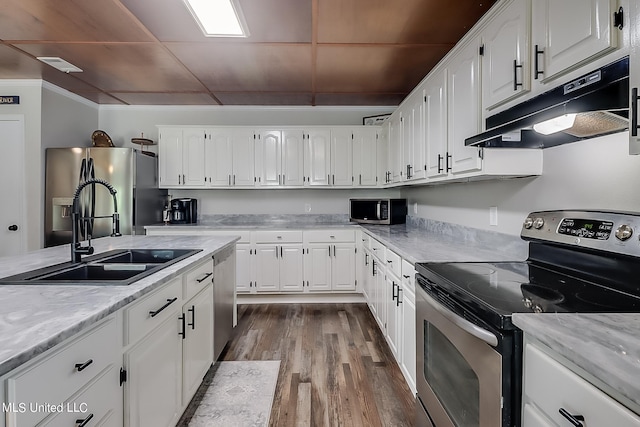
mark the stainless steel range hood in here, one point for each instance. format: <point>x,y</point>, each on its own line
<point>593,105</point>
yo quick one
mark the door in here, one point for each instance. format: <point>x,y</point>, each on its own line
<point>154,373</point>
<point>341,158</point>
<point>391,287</point>
<point>197,346</point>
<point>268,158</point>
<point>317,157</point>
<point>436,123</point>
<point>245,275</point>
<point>291,268</point>
<point>395,148</point>
<point>12,223</point>
<point>505,62</point>
<point>317,266</point>
<point>365,159</point>
<point>416,161</point>
<point>218,158</point>
<point>565,46</point>
<point>343,267</point>
<point>292,158</point>
<point>242,143</point>
<point>267,268</point>
<point>464,109</point>
<point>193,157</point>
<point>170,157</point>
<point>634,78</point>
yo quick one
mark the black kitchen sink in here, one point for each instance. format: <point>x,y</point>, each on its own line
<point>118,267</point>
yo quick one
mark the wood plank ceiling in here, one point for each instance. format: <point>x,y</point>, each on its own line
<point>299,52</point>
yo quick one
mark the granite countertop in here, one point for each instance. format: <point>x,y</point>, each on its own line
<point>34,318</point>
<point>606,346</point>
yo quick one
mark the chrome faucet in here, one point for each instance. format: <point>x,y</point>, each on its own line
<point>77,250</point>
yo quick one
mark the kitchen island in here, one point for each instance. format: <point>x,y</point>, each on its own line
<point>36,321</point>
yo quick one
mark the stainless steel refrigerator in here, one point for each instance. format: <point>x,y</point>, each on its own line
<point>133,174</point>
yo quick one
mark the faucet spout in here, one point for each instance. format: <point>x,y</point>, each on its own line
<point>77,250</point>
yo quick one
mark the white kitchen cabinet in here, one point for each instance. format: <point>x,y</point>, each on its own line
<point>267,268</point>
<point>279,265</point>
<point>569,33</point>
<point>394,313</point>
<point>407,302</point>
<point>317,155</point>
<point>506,54</point>
<point>341,157</point>
<point>383,154</point>
<point>330,262</point>
<point>463,102</point>
<point>197,344</point>
<point>291,268</point>
<point>395,173</point>
<point>68,368</point>
<point>229,157</point>
<point>550,387</point>
<point>181,157</point>
<point>153,390</point>
<point>634,77</point>
<point>365,156</point>
<point>413,135</point>
<point>280,158</point>
<point>436,123</point>
<point>245,271</point>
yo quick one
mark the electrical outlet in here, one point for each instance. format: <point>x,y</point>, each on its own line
<point>415,208</point>
<point>493,215</point>
<point>307,207</point>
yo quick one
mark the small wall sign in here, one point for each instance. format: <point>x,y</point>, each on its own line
<point>9,99</point>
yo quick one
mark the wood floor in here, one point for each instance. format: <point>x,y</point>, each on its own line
<point>336,368</point>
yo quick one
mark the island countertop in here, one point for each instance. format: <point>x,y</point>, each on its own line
<point>34,318</point>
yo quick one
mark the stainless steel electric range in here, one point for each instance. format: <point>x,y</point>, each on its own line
<point>469,354</point>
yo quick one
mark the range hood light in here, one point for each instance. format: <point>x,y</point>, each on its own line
<point>556,124</point>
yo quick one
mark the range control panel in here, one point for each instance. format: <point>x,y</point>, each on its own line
<point>609,231</point>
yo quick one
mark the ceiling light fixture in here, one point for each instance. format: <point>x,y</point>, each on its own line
<point>556,124</point>
<point>59,63</point>
<point>218,18</point>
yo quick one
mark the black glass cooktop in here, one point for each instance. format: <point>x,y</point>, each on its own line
<point>504,288</point>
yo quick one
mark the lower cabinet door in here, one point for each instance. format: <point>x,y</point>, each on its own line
<point>154,373</point>
<point>408,341</point>
<point>317,267</point>
<point>197,347</point>
<point>343,267</point>
<point>267,268</point>
<point>291,269</point>
<point>393,314</point>
<point>244,268</point>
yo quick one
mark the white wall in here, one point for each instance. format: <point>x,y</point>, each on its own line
<point>278,201</point>
<point>593,174</point>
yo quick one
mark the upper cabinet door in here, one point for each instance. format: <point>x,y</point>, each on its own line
<point>341,157</point>
<point>218,153</point>
<point>505,62</point>
<point>417,165</point>
<point>317,158</point>
<point>464,109</point>
<point>242,144</point>
<point>365,159</point>
<point>436,123</point>
<point>634,78</point>
<point>395,147</point>
<point>193,157</point>
<point>268,158</point>
<point>292,158</point>
<point>170,157</point>
<point>570,33</point>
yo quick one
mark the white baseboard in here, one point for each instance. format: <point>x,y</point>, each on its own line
<point>315,298</point>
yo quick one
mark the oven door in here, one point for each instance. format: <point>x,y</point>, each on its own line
<point>459,373</point>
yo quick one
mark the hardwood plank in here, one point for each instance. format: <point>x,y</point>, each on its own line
<point>336,368</point>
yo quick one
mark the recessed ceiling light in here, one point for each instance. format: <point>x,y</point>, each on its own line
<point>60,64</point>
<point>218,18</point>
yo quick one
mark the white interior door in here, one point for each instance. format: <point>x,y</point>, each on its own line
<point>12,225</point>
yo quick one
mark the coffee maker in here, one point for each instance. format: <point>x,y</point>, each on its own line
<point>184,211</point>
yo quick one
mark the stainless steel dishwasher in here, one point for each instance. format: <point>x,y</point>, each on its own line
<point>224,298</point>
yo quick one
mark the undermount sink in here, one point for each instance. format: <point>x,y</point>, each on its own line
<point>118,267</point>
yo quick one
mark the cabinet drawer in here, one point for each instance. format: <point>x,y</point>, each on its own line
<point>393,262</point>
<point>408,273</point>
<point>377,249</point>
<point>287,236</point>
<point>197,279</point>
<point>552,386</point>
<point>330,236</point>
<point>98,402</point>
<point>165,302</point>
<point>56,377</point>
<point>365,238</point>
<point>245,235</point>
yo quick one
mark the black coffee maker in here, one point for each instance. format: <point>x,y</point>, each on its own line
<point>184,211</point>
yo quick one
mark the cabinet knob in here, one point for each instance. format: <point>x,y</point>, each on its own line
<point>13,227</point>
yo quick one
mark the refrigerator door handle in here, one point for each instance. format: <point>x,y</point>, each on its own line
<point>91,174</point>
<point>82,178</point>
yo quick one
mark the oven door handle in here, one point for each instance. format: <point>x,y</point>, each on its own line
<point>461,322</point>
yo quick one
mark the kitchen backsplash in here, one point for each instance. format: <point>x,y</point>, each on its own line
<point>241,219</point>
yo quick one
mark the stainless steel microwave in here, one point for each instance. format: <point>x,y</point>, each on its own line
<point>378,211</point>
